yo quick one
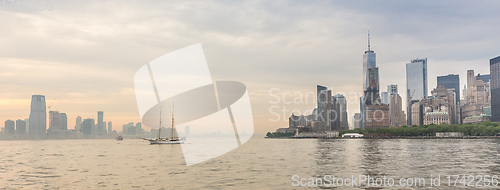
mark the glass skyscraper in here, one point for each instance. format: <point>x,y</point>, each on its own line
<point>450,81</point>
<point>369,61</point>
<point>416,83</point>
<point>38,117</point>
<point>495,88</point>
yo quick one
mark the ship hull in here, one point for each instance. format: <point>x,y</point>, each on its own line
<point>155,141</point>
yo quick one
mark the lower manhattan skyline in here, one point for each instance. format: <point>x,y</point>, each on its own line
<point>90,66</point>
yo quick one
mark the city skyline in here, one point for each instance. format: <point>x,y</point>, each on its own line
<point>83,79</point>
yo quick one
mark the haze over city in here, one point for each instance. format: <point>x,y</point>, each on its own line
<point>87,61</point>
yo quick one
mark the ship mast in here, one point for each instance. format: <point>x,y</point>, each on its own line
<point>159,130</point>
<point>172,133</point>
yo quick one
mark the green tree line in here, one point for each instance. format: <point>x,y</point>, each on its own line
<point>486,128</point>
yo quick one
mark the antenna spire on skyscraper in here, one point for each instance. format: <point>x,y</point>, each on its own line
<point>368,40</point>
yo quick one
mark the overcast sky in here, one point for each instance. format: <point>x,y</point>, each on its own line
<point>84,54</point>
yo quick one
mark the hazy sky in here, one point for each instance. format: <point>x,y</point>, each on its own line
<point>84,54</point>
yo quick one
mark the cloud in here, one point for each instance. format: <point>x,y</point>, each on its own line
<point>85,54</point>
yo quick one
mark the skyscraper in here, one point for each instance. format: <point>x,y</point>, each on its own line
<point>471,79</point>
<point>342,114</point>
<point>87,126</point>
<point>38,117</point>
<point>78,125</point>
<point>20,127</point>
<point>450,81</point>
<point>10,127</point>
<point>495,88</point>
<point>369,61</point>
<point>100,122</point>
<point>53,120</point>
<point>110,127</point>
<point>369,64</point>
<point>63,121</point>
<point>416,83</point>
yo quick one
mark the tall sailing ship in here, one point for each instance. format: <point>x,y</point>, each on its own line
<point>172,139</point>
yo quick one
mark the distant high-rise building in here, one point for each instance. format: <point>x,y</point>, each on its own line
<point>100,122</point>
<point>87,126</point>
<point>471,79</point>
<point>78,125</point>
<point>369,61</point>
<point>38,117</point>
<point>63,121</point>
<point>416,83</point>
<point>356,120</point>
<point>342,114</point>
<point>319,88</point>
<point>392,89</point>
<point>20,127</point>
<point>54,120</point>
<point>186,131</point>
<point>369,66</point>
<point>110,127</point>
<point>100,116</point>
<point>495,88</point>
<point>450,81</point>
<point>10,127</point>
<point>27,120</point>
<point>397,116</point>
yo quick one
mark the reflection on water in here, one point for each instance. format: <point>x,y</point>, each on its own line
<point>257,164</point>
<point>407,158</point>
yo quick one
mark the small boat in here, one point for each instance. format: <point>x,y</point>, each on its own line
<point>119,138</point>
<point>172,139</point>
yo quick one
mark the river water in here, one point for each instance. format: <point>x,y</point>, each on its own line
<point>258,164</point>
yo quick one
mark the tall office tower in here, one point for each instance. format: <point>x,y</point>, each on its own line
<point>105,130</point>
<point>416,84</point>
<point>369,61</point>
<point>450,81</point>
<point>20,127</point>
<point>38,117</point>
<point>326,113</point>
<point>53,120</point>
<point>392,89</point>
<point>319,88</point>
<point>78,125</point>
<point>186,131</point>
<point>87,127</point>
<point>110,127</point>
<point>100,120</point>
<point>369,64</point>
<point>10,127</point>
<point>27,120</point>
<point>356,120</point>
<point>342,113</point>
<point>471,79</point>
<point>63,121</point>
<point>495,88</point>
<point>320,103</point>
<point>397,116</point>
